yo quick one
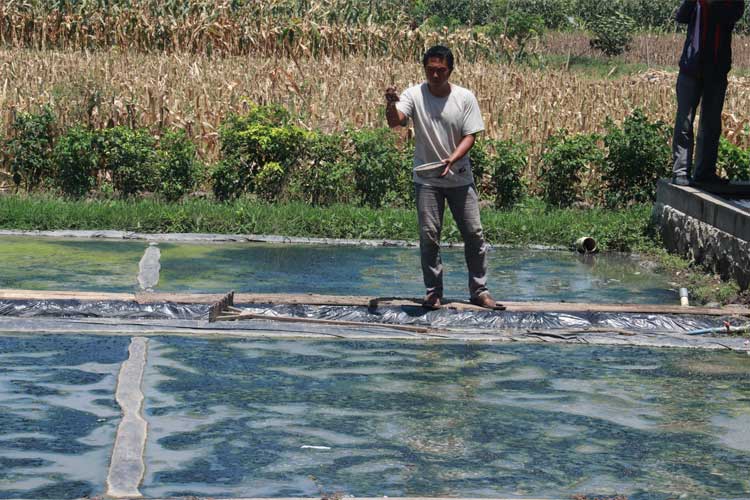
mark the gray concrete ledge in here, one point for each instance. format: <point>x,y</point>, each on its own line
<point>127,465</point>
<point>711,209</point>
<point>208,238</point>
<point>705,228</point>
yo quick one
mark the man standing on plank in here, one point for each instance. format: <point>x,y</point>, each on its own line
<point>446,120</point>
<point>704,65</point>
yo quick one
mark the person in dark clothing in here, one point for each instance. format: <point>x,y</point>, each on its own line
<point>705,62</point>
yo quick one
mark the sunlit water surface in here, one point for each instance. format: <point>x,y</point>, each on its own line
<point>58,414</point>
<point>302,418</point>
<point>514,274</point>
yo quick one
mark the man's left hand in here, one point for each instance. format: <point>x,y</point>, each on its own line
<point>448,164</point>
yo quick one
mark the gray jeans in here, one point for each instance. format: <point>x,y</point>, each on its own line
<point>464,205</point>
<point>710,93</point>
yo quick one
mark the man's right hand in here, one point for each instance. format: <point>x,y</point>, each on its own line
<point>393,116</point>
<point>391,95</point>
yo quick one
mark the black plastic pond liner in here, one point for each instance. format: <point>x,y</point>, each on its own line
<point>101,309</point>
<point>404,315</point>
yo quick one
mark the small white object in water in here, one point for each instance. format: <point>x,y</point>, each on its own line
<point>309,447</point>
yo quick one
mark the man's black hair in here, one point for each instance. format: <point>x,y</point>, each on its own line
<point>440,52</point>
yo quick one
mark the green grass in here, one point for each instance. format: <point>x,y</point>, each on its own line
<point>529,223</point>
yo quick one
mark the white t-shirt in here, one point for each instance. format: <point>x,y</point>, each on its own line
<point>439,125</point>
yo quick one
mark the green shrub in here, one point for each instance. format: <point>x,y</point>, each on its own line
<point>507,166</point>
<point>638,155</point>
<point>129,156</point>
<point>588,10</point>
<point>29,148</point>
<point>612,32</point>
<point>176,164</point>
<point>77,155</point>
<point>556,14</point>
<point>226,181</point>
<point>326,176</point>
<point>651,13</point>
<point>563,160</point>
<point>273,115</point>
<point>474,12</point>
<point>270,180</point>
<point>382,170</point>
<point>251,141</point>
<point>480,168</point>
<point>522,28</point>
<point>734,160</point>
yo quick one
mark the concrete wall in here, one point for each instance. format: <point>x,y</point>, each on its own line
<point>705,228</point>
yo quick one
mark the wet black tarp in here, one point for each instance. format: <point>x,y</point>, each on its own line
<point>403,315</point>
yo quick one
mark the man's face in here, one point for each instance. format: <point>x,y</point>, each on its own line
<point>437,72</point>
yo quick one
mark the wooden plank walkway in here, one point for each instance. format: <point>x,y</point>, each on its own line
<point>336,300</point>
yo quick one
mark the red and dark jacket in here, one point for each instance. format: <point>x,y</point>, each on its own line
<point>717,22</point>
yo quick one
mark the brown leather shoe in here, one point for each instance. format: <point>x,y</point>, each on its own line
<point>432,301</point>
<point>485,300</point>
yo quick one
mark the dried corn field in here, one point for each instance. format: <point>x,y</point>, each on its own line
<point>650,49</point>
<point>196,93</point>
<point>328,28</point>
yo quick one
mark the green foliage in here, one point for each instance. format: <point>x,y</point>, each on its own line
<point>563,160</point>
<point>522,28</point>
<point>612,32</point>
<point>28,150</point>
<point>639,155</point>
<point>226,181</point>
<point>326,176</point>
<point>565,14</point>
<point>651,13</point>
<point>130,156</point>
<point>480,157</point>
<point>382,171</point>
<point>507,167</point>
<point>269,181</point>
<point>77,155</point>
<point>498,168</point>
<point>556,14</point>
<point>248,143</point>
<point>471,12</point>
<point>176,165</point>
<point>734,160</point>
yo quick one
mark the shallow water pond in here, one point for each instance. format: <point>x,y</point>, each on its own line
<point>58,415</point>
<point>68,264</point>
<point>514,274</point>
<point>304,418</point>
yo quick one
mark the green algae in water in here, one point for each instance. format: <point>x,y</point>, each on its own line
<point>263,418</point>
<point>50,264</point>
<point>57,414</point>
<point>514,274</point>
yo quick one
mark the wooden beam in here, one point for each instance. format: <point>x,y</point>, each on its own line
<point>371,302</point>
<point>11,294</point>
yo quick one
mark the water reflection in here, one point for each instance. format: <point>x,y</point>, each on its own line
<point>515,274</point>
<point>259,418</point>
<point>57,414</point>
<point>518,274</point>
